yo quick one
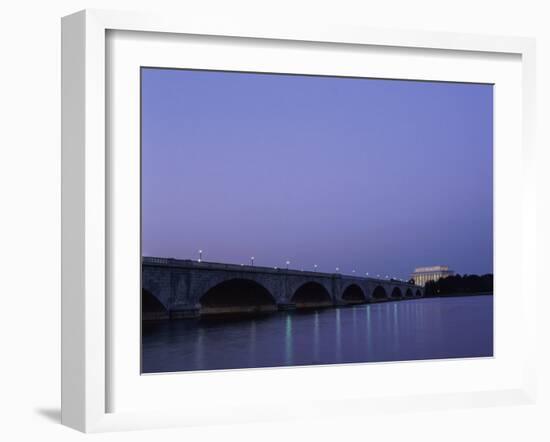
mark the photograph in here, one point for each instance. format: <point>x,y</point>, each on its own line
<point>300,220</point>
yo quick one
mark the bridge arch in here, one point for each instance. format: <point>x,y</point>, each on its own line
<point>379,293</point>
<point>152,307</point>
<point>396,293</point>
<point>353,294</point>
<point>158,284</point>
<point>237,296</point>
<point>310,295</point>
<point>199,286</point>
<point>409,293</point>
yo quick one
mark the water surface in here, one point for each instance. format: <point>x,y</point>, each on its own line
<point>432,328</point>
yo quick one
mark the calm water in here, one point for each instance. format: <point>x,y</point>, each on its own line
<point>393,331</point>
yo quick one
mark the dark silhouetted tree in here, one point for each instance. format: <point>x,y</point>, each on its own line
<point>456,284</point>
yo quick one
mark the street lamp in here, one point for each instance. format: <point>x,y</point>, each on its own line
<point>200,255</point>
<point>367,273</point>
<point>314,267</point>
<point>337,269</point>
<point>252,261</point>
<point>353,271</point>
<point>287,264</point>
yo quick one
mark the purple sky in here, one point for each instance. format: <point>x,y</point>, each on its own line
<point>376,176</point>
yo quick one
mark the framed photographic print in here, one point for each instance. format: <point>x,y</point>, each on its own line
<point>319,215</point>
<point>304,174</point>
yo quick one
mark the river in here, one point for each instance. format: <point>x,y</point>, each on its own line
<point>431,328</point>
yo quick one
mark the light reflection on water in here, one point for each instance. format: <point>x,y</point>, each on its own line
<point>288,340</point>
<point>252,344</point>
<point>316,332</point>
<point>408,330</point>
<point>338,355</point>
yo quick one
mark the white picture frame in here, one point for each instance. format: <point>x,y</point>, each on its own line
<point>86,206</point>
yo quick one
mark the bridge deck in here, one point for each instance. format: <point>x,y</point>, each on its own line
<point>190,264</point>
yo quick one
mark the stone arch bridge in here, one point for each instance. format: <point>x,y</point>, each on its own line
<point>184,288</point>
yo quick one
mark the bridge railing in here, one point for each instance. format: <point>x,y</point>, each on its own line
<point>152,260</point>
<point>226,266</point>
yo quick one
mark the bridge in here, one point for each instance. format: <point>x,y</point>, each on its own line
<point>175,288</point>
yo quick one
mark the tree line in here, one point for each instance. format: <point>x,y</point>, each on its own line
<point>466,284</point>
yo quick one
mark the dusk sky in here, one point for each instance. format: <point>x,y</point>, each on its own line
<point>377,176</point>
